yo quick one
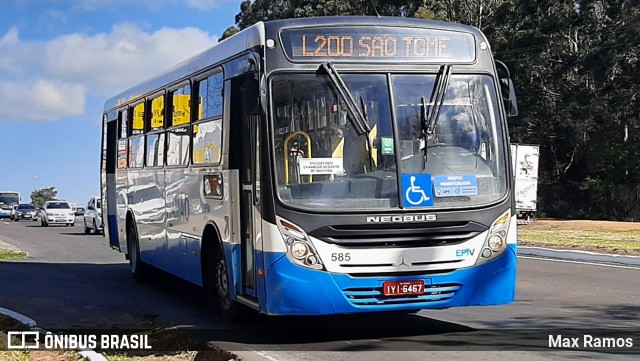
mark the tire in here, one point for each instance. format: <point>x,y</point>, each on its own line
<point>216,285</point>
<point>139,270</point>
<point>227,307</point>
<point>73,224</point>
<point>95,228</point>
<point>87,230</point>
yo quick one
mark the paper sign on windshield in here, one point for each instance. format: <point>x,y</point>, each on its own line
<point>311,166</point>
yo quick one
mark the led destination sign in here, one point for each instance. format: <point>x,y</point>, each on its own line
<point>378,44</point>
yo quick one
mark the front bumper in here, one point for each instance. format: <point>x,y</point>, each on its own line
<point>61,220</point>
<point>26,215</point>
<point>294,290</point>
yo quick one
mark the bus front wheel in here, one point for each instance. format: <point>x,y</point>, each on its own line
<point>217,286</point>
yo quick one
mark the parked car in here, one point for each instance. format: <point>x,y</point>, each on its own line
<point>93,216</point>
<point>57,212</point>
<point>80,211</point>
<point>24,211</point>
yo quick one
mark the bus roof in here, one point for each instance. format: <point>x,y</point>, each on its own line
<point>373,21</point>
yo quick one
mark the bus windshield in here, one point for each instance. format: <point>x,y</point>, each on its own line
<point>8,199</point>
<point>321,162</point>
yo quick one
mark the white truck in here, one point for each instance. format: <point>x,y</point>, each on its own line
<point>525,159</point>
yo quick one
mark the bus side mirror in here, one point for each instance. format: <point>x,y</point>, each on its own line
<point>507,89</point>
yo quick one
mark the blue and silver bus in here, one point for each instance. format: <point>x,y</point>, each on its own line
<point>319,166</point>
<point>8,199</point>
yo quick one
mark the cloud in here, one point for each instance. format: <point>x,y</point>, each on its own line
<point>40,99</point>
<point>107,63</point>
<point>52,79</point>
<point>10,38</point>
<point>15,56</point>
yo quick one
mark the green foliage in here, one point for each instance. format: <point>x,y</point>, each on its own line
<point>232,30</point>
<point>252,12</point>
<point>575,65</point>
<point>9,254</point>
<point>40,196</point>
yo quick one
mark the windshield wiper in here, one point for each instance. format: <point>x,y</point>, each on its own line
<point>357,114</point>
<point>430,113</point>
<point>358,118</point>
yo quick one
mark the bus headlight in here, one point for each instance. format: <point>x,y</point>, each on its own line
<point>496,241</point>
<point>300,249</point>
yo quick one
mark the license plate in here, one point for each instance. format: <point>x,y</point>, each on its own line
<point>403,288</point>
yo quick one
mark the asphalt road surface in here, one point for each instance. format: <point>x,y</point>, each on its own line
<point>71,281</point>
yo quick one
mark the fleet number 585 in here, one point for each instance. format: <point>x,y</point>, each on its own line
<point>341,257</point>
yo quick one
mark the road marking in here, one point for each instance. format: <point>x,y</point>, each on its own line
<point>266,356</point>
<point>580,262</point>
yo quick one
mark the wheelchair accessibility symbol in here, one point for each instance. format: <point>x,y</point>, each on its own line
<point>417,190</point>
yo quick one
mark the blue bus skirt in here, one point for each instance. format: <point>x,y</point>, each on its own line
<point>294,290</point>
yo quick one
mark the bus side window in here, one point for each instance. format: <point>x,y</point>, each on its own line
<point>178,136</point>
<point>207,130</point>
<point>136,140</point>
<point>122,139</point>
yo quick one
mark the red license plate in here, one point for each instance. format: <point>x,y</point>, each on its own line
<point>403,288</point>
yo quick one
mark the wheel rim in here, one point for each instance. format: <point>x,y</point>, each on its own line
<point>223,283</point>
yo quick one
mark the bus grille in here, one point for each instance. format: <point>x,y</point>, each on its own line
<point>403,236</point>
<point>373,296</point>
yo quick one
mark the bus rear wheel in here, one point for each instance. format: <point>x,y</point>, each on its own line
<point>139,270</point>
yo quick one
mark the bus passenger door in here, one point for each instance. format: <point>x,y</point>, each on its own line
<point>242,156</point>
<point>108,177</point>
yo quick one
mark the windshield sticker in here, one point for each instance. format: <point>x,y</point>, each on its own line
<point>311,166</point>
<point>455,185</point>
<point>417,190</point>
<point>387,145</point>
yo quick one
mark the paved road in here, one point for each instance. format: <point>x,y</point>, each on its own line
<point>72,280</point>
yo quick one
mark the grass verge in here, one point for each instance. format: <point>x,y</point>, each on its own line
<point>9,254</point>
<point>596,236</point>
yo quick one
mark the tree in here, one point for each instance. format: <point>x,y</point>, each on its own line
<point>40,196</point>
<point>232,30</point>
<point>252,12</point>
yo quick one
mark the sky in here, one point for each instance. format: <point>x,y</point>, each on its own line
<point>60,60</point>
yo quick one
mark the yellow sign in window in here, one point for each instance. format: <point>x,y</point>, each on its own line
<point>157,113</point>
<point>181,109</point>
<point>138,117</point>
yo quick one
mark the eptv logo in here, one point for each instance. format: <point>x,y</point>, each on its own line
<point>464,252</point>
<point>21,340</point>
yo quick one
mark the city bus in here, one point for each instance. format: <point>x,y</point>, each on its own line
<point>314,166</point>
<point>8,199</point>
